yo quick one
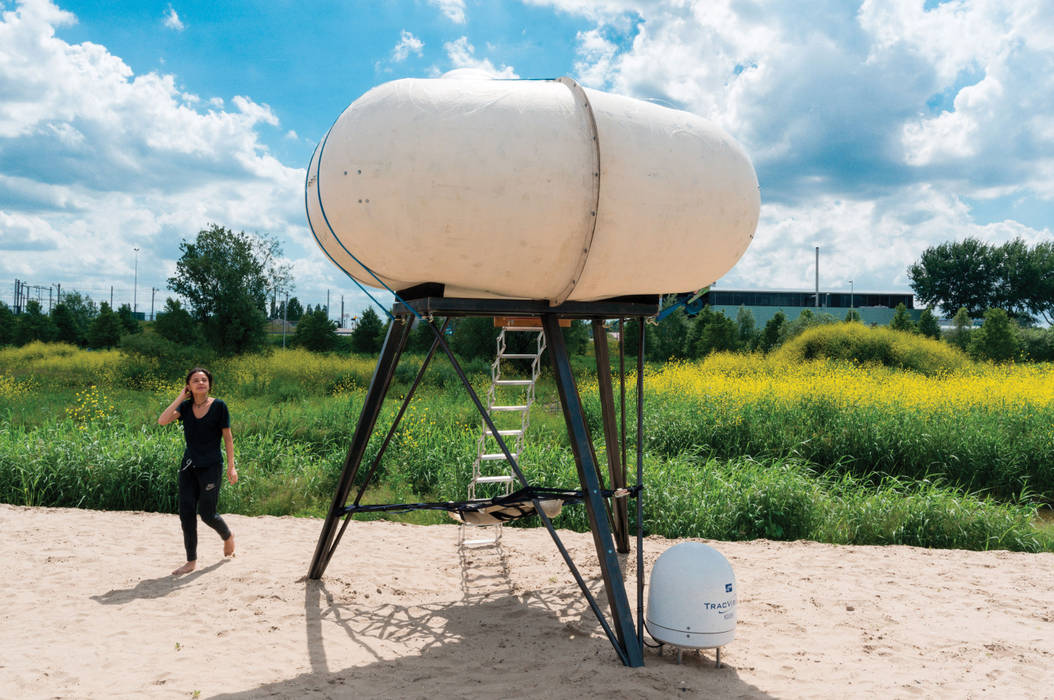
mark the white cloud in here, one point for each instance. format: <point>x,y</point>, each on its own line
<point>880,108</point>
<point>172,20</point>
<point>407,45</point>
<point>454,10</point>
<point>595,56</point>
<point>462,56</point>
<point>292,135</point>
<point>96,160</point>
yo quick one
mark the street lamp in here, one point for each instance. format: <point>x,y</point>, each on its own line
<point>135,285</point>
<point>850,294</point>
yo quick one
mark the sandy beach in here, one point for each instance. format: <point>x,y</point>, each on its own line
<point>89,610</point>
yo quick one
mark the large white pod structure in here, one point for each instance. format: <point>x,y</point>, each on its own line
<point>528,189</point>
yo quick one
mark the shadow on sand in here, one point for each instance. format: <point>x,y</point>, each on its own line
<point>493,642</point>
<point>153,587</point>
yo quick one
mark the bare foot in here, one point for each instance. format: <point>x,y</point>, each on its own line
<point>228,546</point>
<point>185,569</point>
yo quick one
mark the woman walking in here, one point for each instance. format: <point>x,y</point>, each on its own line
<point>205,420</point>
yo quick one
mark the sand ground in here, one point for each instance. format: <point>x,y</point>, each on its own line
<point>88,609</point>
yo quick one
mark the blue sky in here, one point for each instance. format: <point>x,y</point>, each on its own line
<point>877,128</point>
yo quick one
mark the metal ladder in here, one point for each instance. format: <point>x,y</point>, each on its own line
<point>507,400</point>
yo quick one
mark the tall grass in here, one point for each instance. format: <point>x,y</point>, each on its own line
<point>736,446</point>
<point>981,428</point>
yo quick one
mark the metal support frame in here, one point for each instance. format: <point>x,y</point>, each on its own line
<point>582,446</point>
<point>626,638</point>
<point>616,466</point>
<point>394,342</point>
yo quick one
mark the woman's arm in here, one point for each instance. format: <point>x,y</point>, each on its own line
<point>172,412</point>
<point>228,443</point>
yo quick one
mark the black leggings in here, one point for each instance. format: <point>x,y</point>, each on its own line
<point>199,489</point>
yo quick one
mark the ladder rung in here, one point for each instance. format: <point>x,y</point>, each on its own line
<point>508,408</point>
<point>513,382</point>
<point>532,329</point>
<point>471,543</point>
<point>505,433</point>
<point>502,479</point>
<point>495,456</point>
<point>518,356</point>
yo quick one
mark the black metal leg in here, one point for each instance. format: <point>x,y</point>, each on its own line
<point>394,342</point>
<point>581,445</point>
<point>616,467</point>
<point>640,481</point>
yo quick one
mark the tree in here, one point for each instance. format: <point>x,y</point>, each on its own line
<point>364,337</point>
<point>902,320</point>
<point>747,329</point>
<point>997,339</point>
<point>957,274</point>
<point>128,322</point>
<point>7,324</point>
<point>770,336</point>
<point>105,329</point>
<point>295,310</point>
<point>928,325</point>
<point>473,337</point>
<point>422,336</point>
<point>1040,300</point>
<point>309,309</point>
<point>175,324</point>
<point>576,337</point>
<point>719,335</point>
<point>852,316</point>
<point>667,342</point>
<point>82,308</point>
<point>34,324</point>
<point>960,335</point>
<point>226,279</point>
<point>69,331</point>
<point>316,332</point>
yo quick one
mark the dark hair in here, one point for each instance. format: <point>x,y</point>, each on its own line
<point>204,371</point>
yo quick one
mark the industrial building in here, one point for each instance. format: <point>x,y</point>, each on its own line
<point>874,307</point>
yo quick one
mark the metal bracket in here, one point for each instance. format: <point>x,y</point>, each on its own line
<point>581,98</point>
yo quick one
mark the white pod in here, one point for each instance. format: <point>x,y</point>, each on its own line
<point>692,597</point>
<point>528,189</point>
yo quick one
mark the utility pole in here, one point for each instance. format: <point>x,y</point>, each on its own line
<point>850,294</point>
<point>817,277</point>
<point>285,314</point>
<point>135,285</point>
<point>58,293</point>
<point>49,299</point>
<point>341,310</point>
<point>152,291</point>
<point>111,297</point>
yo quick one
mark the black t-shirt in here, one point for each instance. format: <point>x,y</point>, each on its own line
<point>203,434</point>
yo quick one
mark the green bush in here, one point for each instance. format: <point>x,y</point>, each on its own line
<point>858,343</point>
<point>997,339</point>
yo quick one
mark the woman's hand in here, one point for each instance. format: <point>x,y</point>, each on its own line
<point>172,412</point>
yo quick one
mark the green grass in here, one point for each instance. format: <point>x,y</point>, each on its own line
<point>810,469</point>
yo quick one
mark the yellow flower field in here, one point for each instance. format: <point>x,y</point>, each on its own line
<point>753,378</point>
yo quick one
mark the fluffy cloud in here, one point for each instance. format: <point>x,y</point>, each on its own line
<point>172,20</point>
<point>454,10</point>
<point>462,55</point>
<point>407,45</point>
<point>95,160</point>
<point>873,126</point>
